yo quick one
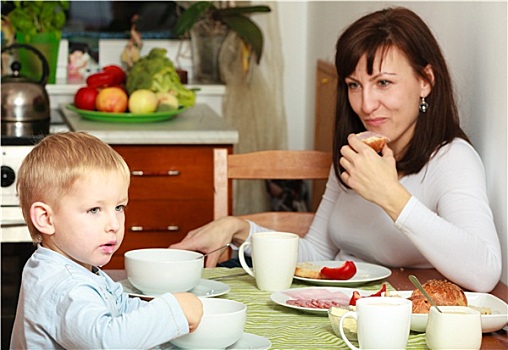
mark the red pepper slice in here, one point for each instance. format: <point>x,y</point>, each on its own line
<point>100,80</point>
<point>380,292</point>
<point>357,295</point>
<point>344,272</point>
<point>354,298</point>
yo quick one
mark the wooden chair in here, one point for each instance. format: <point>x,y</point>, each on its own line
<point>273,164</point>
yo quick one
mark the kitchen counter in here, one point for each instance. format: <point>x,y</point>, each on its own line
<point>198,125</point>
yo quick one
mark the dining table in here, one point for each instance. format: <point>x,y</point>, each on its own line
<point>289,328</point>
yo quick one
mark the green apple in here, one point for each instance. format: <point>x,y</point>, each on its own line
<point>143,101</point>
<point>167,102</point>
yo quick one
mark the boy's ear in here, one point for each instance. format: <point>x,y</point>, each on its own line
<point>42,217</point>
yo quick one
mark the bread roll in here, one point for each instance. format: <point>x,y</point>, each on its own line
<point>443,293</point>
<point>308,270</point>
<point>375,141</point>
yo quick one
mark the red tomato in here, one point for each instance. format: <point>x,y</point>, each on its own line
<point>117,71</point>
<point>85,98</point>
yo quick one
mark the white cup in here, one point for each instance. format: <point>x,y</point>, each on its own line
<point>457,327</point>
<point>381,322</point>
<point>274,257</point>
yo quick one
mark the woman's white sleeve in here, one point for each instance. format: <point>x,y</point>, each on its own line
<point>458,237</point>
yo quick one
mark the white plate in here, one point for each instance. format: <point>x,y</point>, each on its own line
<point>205,288</point>
<point>247,341</point>
<point>281,297</point>
<point>365,273</point>
<point>490,323</point>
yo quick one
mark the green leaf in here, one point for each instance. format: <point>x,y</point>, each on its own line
<point>191,16</point>
<point>32,17</point>
<point>248,31</point>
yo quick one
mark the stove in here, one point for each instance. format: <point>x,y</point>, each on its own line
<point>14,150</point>
<point>16,243</point>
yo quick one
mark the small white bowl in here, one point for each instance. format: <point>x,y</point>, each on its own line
<point>222,325</point>
<point>155,271</point>
<point>334,315</point>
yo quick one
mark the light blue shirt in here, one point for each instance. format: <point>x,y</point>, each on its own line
<point>62,305</point>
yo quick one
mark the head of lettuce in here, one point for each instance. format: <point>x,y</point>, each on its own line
<point>156,72</point>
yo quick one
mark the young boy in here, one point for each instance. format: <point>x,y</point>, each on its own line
<point>73,189</point>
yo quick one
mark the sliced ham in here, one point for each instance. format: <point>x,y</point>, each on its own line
<point>317,298</point>
<point>314,303</point>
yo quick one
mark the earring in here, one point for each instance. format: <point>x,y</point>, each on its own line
<point>424,106</point>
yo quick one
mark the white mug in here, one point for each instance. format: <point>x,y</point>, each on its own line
<point>381,322</point>
<point>457,327</point>
<point>274,257</point>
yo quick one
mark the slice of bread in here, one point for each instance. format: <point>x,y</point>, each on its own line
<point>375,141</point>
<point>308,270</point>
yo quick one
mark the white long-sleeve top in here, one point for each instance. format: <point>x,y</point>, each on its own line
<point>447,224</point>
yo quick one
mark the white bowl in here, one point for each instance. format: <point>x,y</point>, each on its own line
<point>490,323</point>
<point>335,314</point>
<point>221,326</point>
<point>159,270</point>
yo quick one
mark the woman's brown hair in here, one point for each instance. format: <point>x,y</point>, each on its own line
<point>376,33</point>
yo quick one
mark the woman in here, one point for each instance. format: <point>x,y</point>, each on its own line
<point>420,203</point>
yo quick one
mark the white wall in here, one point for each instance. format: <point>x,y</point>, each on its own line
<point>473,37</point>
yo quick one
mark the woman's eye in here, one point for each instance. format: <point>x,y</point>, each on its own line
<point>352,86</point>
<point>384,82</point>
<point>120,208</point>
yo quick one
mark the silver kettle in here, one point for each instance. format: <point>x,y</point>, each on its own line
<point>25,103</point>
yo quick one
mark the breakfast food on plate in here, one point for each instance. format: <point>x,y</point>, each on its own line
<point>344,272</point>
<point>375,141</point>
<point>443,292</point>
<point>356,295</point>
<point>317,298</point>
<point>308,270</point>
<point>321,298</point>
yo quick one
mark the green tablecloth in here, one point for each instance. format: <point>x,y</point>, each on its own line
<point>288,328</point>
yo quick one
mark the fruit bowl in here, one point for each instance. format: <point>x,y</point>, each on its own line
<point>127,117</point>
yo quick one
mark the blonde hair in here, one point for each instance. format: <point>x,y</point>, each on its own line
<point>49,171</point>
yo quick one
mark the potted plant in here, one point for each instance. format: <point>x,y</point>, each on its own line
<point>208,23</point>
<point>37,23</point>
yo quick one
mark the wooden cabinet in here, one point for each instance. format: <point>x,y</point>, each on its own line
<point>171,193</point>
<point>326,97</point>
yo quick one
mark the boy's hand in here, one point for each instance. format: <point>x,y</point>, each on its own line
<point>192,308</point>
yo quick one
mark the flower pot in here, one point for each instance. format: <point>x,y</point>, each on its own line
<point>47,44</point>
<point>206,42</point>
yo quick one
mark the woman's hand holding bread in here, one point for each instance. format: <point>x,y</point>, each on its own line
<point>372,176</point>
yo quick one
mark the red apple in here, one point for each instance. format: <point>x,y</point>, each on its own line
<point>85,98</point>
<point>112,99</point>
